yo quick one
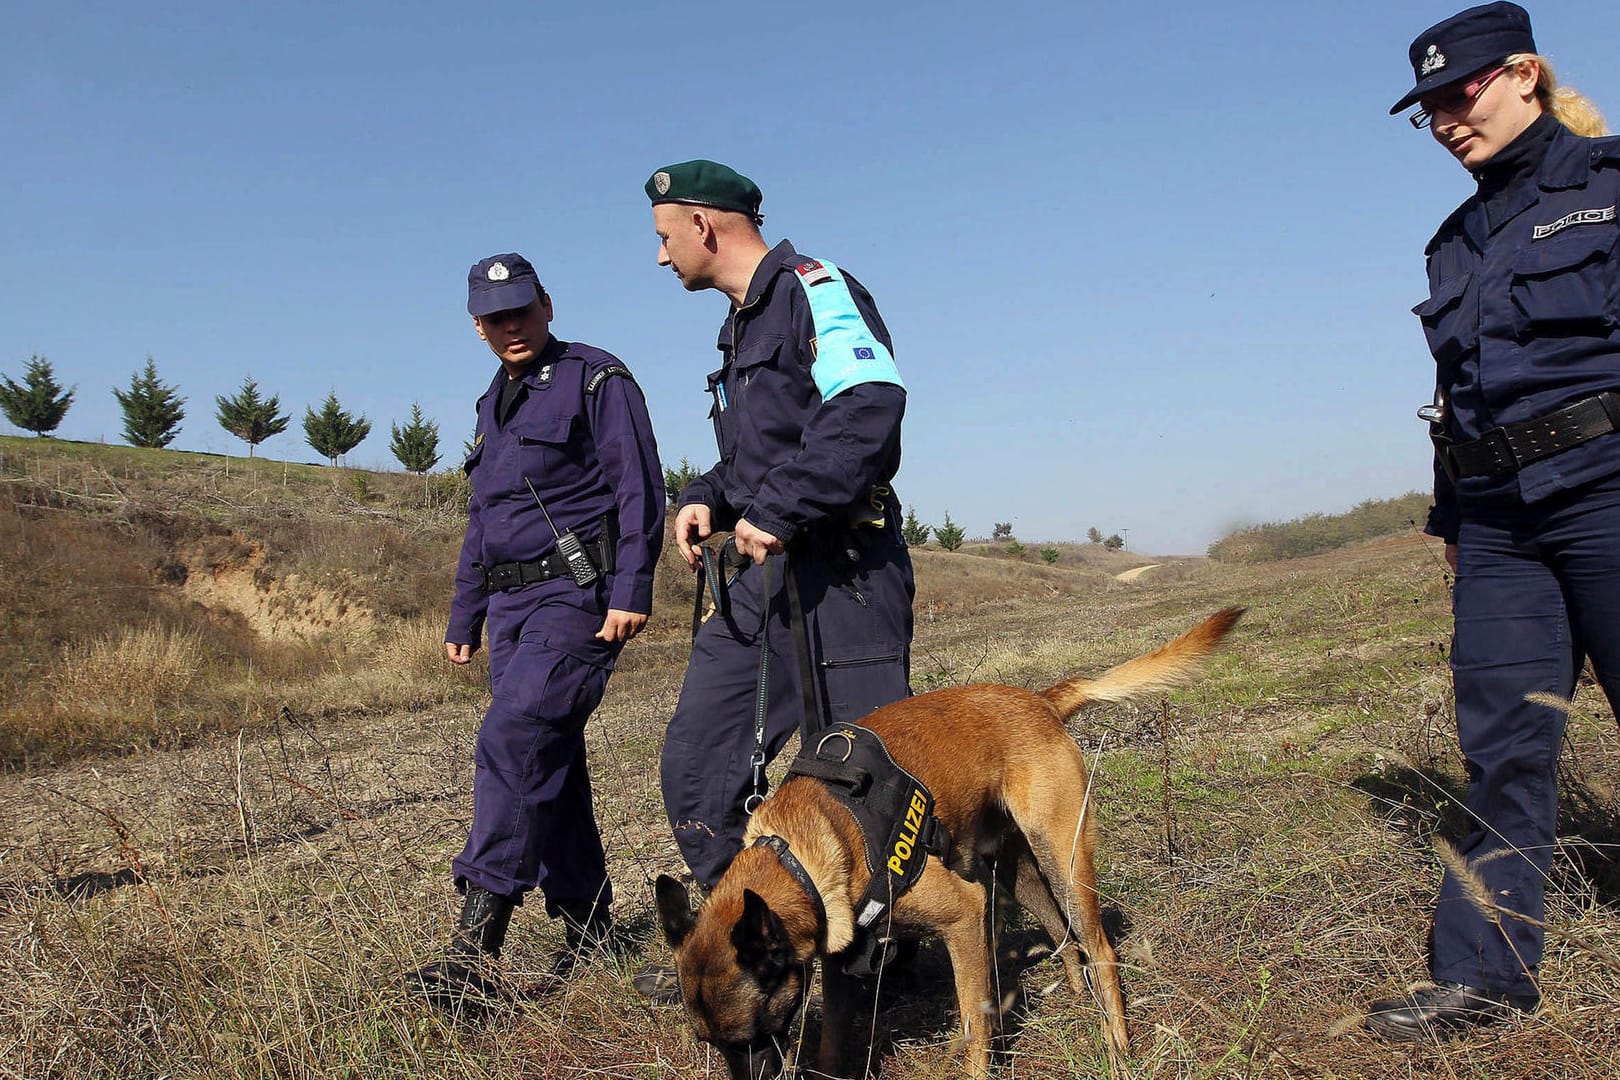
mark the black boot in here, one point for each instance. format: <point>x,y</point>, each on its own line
<point>587,931</point>
<point>1444,1010</point>
<point>462,979</point>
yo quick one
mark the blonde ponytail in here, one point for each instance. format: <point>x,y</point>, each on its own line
<point>1569,107</point>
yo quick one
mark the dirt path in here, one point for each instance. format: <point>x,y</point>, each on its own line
<point>1136,572</point>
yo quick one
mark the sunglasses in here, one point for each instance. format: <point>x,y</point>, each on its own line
<point>1452,99</point>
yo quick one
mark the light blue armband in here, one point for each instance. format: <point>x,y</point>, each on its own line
<point>847,352</point>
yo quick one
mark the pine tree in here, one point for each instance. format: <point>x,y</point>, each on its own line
<point>416,445</point>
<point>39,402</point>
<point>914,532</point>
<point>249,417</point>
<point>334,431</point>
<point>152,410</point>
<point>949,535</point>
<point>676,479</point>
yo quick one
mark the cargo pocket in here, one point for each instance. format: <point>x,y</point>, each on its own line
<point>1566,283</point>
<point>855,682</point>
<point>1447,321</point>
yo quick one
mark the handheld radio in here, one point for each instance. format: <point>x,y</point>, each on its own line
<point>578,560</point>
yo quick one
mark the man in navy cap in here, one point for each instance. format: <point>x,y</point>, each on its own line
<point>563,531</point>
<point>807,405</point>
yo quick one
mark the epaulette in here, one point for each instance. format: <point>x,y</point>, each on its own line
<point>1605,149</point>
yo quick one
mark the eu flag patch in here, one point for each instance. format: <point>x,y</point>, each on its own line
<point>865,353</point>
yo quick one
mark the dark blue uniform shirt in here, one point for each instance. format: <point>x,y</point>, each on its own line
<point>807,404</point>
<point>1523,317</point>
<point>582,436</point>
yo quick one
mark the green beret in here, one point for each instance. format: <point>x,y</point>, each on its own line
<point>706,183</point>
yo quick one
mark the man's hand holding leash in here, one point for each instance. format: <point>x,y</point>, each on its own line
<point>693,523</point>
<point>755,542</point>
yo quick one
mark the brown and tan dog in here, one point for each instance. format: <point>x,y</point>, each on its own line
<point>1008,782</point>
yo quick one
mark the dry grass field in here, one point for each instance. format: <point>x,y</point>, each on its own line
<point>236,770</point>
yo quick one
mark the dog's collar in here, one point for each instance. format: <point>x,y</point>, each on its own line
<point>793,866</point>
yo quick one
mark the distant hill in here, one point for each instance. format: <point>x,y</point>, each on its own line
<point>239,587</point>
<point>1316,533</point>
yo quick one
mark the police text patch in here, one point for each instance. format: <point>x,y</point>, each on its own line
<point>1579,217</point>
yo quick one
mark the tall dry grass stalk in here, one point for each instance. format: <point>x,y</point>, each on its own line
<point>122,683</point>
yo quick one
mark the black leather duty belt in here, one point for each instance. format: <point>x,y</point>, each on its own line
<point>1509,448</point>
<point>510,575</point>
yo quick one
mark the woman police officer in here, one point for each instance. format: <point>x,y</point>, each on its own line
<point>1523,319</point>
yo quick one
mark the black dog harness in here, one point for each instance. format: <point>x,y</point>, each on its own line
<point>895,814</point>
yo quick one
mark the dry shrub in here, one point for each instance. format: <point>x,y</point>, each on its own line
<point>119,687</point>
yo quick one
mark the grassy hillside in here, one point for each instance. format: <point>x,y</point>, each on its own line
<point>243,900</point>
<point>1316,533</point>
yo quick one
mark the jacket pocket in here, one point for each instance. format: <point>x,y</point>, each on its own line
<point>752,359</point>
<point>1567,283</point>
<point>1448,322</point>
<point>543,444</point>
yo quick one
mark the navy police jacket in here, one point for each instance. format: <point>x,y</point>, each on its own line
<point>1523,318</point>
<point>582,436</point>
<point>806,405</point>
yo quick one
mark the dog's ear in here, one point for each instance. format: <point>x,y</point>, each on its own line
<point>762,941</point>
<point>674,909</point>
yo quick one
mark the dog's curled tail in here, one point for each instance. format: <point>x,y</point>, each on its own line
<point>1167,666</point>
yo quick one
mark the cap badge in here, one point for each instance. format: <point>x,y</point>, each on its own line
<point>661,182</point>
<point>1433,60</point>
<point>498,272</point>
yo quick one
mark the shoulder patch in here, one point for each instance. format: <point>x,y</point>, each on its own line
<point>812,272</point>
<point>604,374</point>
<point>846,352</point>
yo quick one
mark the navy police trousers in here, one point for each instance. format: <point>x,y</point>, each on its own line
<point>533,822</point>
<point>858,622</point>
<point>1537,591</point>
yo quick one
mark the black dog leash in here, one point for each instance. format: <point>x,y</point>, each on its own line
<point>810,720</point>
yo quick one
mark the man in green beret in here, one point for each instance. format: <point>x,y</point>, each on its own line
<point>807,405</point>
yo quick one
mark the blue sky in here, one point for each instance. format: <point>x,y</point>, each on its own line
<point>1147,268</point>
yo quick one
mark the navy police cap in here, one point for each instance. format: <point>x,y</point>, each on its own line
<point>1469,41</point>
<point>501,283</point>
